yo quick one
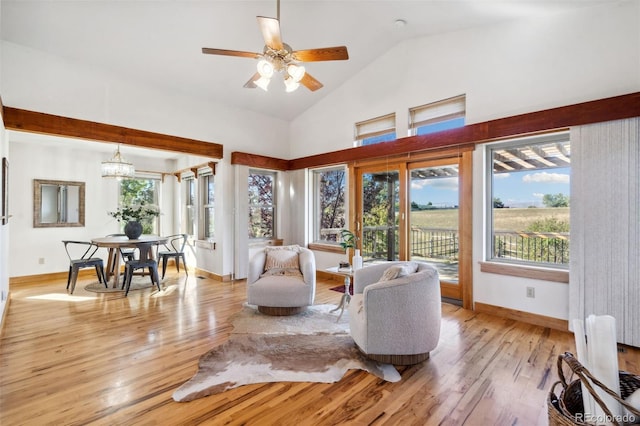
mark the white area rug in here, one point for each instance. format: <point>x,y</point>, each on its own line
<point>309,347</point>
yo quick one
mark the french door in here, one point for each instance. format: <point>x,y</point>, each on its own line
<point>418,210</point>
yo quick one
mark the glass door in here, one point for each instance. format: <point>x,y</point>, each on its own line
<point>434,220</point>
<point>379,209</point>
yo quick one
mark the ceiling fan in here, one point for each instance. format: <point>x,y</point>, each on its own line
<point>279,57</point>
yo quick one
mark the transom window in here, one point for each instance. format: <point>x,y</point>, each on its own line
<point>528,200</point>
<point>376,130</point>
<point>437,116</point>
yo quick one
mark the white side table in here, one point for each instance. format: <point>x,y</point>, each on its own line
<point>346,297</point>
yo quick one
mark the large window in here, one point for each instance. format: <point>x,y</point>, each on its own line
<point>437,116</point>
<point>262,204</point>
<point>528,200</point>
<point>376,130</point>
<point>190,212</point>
<point>329,204</point>
<point>139,191</point>
<point>208,205</point>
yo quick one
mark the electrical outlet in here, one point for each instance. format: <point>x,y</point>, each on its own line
<point>41,261</point>
<point>531,292</point>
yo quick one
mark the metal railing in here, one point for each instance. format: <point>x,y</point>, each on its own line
<point>381,242</point>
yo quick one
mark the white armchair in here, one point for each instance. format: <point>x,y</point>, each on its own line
<point>282,280</point>
<point>395,312</point>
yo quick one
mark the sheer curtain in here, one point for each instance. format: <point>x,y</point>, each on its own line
<point>605,225</point>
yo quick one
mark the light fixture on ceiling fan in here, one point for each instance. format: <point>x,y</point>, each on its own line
<point>279,57</point>
<point>118,167</point>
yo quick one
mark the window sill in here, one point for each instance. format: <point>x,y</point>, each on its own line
<point>545,274</point>
<point>329,248</point>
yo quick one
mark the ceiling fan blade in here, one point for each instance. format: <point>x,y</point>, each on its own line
<point>337,53</point>
<point>310,82</point>
<point>251,83</point>
<point>270,28</point>
<point>210,51</point>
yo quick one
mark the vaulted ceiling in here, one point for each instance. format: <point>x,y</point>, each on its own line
<point>160,42</point>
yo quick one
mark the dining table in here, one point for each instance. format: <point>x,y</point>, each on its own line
<point>116,243</point>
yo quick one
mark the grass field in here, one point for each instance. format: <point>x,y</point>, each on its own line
<point>505,219</point>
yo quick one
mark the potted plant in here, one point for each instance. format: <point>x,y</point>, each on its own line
<point>133,216</point>
<point>349,241</point>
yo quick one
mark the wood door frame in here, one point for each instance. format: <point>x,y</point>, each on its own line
<point>464,158</point>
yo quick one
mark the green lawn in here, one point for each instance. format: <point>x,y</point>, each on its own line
<point>505,219</point>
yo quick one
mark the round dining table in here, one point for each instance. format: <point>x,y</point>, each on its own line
<point>116,243</point>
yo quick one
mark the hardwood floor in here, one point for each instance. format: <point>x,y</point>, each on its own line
<point>108,360</point>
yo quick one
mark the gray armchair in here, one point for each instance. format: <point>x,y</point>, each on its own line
<point>395,312</point>
<point>282,280</point>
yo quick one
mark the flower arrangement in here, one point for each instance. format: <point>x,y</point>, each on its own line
<point>135,213</point>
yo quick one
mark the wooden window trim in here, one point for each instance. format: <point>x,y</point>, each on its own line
<point>532,272</point>
<point>329,248</point>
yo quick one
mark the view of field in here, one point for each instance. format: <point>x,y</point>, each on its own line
<point>505,219</point>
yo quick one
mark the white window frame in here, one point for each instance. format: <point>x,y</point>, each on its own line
<point>190,223</point>
<point>273,206</point>
<point>315,175</point>
<point>156,196</point>
<point>207,204</point>
<point>378,126</point>
<point>436,112</point>
<point>489,236</point>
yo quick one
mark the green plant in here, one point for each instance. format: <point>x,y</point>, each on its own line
<point>348,239</point>
<point>137,213</point>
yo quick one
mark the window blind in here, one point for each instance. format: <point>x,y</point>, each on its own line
<point>445,109</point>
<point>376,126</point>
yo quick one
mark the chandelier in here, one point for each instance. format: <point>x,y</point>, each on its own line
<point>281,61</point>
<point>118,167</point>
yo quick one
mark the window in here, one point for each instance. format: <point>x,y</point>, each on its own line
<point>437,116</point>
<point>190,224</point>
<point>528,200</point>
<point>329,187</point>
<point>262,205</point>
<point>376,130</point>
<point>208,206</point>
<point>142,191</point>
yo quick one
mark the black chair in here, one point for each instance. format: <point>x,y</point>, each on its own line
<point>81,256</point>
<point>126,253</point>
<point>147,261</point>
<point>175,249</point>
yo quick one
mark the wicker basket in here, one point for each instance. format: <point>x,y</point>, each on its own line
<point>562,409</point>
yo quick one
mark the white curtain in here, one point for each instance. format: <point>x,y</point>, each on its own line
<point>605,225</point>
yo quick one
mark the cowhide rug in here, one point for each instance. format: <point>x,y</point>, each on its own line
<point>309,347</point>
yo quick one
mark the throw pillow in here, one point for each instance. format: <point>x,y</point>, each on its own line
<point>393,272</point>
<point>282,258</point>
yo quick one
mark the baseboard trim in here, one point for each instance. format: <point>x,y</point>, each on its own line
<point>528,317</point>
<point>217,277</point>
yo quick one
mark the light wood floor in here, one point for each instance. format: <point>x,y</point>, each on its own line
<point>109,360</point>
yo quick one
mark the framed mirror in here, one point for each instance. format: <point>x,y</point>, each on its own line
<point>58,203</point>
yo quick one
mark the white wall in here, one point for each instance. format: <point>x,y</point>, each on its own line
<point>504,70</point>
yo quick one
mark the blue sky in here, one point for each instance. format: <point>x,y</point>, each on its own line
<point>519,189</point>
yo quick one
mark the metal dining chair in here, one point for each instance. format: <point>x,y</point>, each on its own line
<point>174,249</point>
<point>126,253</point>
<point>145,261</point>
<point>80,255</point>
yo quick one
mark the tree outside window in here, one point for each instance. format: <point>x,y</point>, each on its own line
<point>330,215</point>
<point>262,206</point>
<point>135,192</point>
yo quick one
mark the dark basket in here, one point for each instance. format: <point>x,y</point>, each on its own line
<point>562,409</point>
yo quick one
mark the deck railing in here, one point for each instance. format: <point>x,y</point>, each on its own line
<point>381,242</point>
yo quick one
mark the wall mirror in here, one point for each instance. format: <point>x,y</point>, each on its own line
<point>58,203</point>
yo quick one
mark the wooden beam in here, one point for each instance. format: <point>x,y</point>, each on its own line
<point>37,122</point>
<point>259,161</point>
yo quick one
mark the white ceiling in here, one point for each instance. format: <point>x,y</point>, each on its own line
<point>159,42</point>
